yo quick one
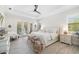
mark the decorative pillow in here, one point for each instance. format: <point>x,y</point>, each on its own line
<point>51,30</point>
<point>2,31</point>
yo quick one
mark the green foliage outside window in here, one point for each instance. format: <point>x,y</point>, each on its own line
<point>73,26</point>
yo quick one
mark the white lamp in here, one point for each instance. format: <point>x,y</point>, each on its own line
<point>65,29</point>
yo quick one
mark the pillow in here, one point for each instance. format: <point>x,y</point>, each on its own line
<point>51,30</point>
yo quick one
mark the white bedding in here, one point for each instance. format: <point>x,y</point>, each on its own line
<point>45,37</point>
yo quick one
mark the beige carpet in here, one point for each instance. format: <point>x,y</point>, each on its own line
<point>61,48</point>
<point>21,46</point>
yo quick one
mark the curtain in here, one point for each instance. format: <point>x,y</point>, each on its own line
<point>26,27</point>
<point>19,27</point>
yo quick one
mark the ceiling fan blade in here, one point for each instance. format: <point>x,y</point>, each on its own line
<point>38,12</point>
<point>36,7</point>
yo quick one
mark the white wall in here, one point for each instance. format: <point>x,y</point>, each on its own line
<point>49,22</point>
<point>58,19</point>
<point>13,19</point>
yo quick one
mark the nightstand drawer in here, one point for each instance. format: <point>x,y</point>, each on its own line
<point>65,38</point>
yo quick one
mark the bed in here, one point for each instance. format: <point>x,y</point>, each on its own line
<point>42,39</point>
<point>45,37</point>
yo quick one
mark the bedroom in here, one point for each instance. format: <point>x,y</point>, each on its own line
<point>45,29</point>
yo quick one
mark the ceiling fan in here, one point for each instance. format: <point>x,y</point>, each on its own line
<point>35,9</point>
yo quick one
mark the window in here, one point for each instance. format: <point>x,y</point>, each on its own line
<point>73,23</point>
<point>73,26</point>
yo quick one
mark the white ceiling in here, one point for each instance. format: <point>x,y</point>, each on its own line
<point>44,9</point>
<point>27,10</point>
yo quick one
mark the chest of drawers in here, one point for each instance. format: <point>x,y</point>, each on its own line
<point>65,38</point>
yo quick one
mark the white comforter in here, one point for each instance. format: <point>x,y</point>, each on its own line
<point>44,36</point>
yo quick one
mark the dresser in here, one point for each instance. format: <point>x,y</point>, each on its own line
<point>65,38</point>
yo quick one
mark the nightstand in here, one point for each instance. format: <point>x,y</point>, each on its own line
<point>65,38</point>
